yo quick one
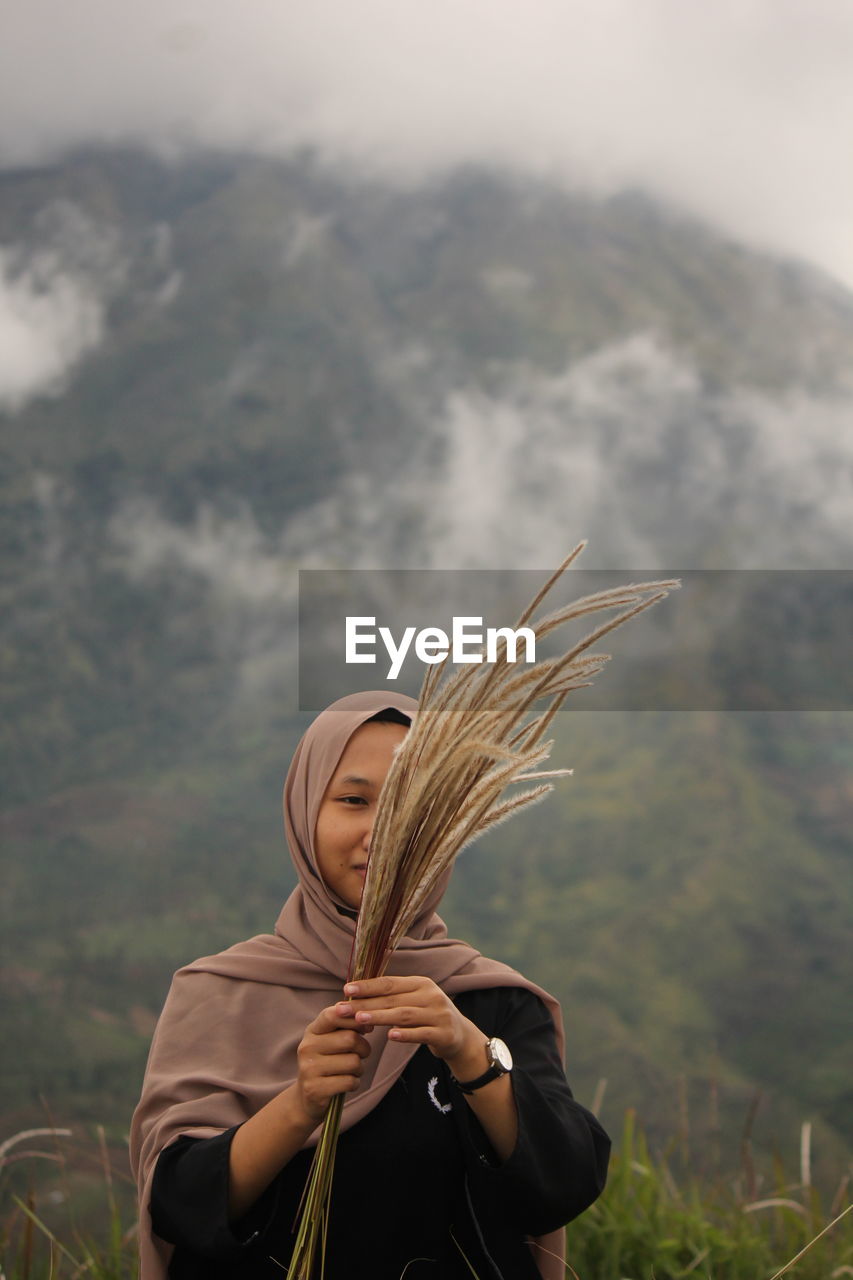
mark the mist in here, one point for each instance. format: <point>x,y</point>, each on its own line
<point>625,447</point>
<point>736,112</point>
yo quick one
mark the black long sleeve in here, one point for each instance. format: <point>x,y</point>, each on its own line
<point>189,1200</point>
<point>559,1164</point>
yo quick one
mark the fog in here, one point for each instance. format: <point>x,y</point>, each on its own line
<point>740,112</point>
<point>625,447</point>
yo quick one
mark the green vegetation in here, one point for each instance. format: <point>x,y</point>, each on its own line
<point>654,1221</point>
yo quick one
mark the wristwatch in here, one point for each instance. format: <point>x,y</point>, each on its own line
<point>500,1063</point>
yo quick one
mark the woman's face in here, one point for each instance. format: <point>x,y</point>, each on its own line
<point>348,809</point>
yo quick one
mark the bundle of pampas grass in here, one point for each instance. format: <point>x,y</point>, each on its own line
<point>470,740</point>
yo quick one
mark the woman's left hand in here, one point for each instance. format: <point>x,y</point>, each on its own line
<point>418,1012</point>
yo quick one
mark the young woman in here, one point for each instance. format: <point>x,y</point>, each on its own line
<point>461,1146</point>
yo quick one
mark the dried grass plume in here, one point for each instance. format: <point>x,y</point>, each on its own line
<point>472,738</point>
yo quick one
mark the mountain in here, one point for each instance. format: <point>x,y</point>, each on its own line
<point>221,371</point>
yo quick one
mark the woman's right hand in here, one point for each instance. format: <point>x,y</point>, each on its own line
<point>330,1059</point>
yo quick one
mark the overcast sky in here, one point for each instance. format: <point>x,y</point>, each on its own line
<point>741,110</point>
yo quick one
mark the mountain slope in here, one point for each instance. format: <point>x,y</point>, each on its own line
<point>234,369</point>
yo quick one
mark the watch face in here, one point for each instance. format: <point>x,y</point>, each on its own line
<point>501,1054</point>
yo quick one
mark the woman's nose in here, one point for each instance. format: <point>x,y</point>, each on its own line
<point>368,832</point>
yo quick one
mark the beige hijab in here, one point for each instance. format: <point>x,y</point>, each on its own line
<point>226,1042</point>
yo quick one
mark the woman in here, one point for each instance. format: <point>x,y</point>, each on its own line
<point>460,1137</point>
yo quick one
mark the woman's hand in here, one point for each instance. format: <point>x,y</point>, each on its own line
<point>417,1012</point>
<point>330,1059</point>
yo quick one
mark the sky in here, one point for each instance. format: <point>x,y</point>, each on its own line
<point>741,112</point>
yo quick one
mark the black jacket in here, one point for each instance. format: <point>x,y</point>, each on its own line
<point>417,1185</point>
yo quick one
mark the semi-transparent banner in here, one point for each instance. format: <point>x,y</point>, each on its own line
<point>731,640</point>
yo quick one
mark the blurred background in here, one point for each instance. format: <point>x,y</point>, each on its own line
<point>386,285</point>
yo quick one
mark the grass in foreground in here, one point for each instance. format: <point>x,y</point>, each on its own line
<point>648,1225</point>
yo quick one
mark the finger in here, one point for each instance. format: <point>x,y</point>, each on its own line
<point>318,1065</point>
<point>414,1035</point>
<point>350,1041</point>
<point>337,1084</point>
<point>423,997</point>
<point>405,1016</point>
<point>337,1064</point>
<point>347,1012</point>
<point>329,1020</point>
<point>384,986</point>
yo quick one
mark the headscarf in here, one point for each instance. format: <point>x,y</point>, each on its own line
<point>226,1041</point>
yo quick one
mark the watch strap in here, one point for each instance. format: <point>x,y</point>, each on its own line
<point>471,1086</point>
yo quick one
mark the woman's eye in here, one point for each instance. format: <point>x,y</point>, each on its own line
<point>353,800</point>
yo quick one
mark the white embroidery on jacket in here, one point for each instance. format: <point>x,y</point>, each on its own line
<point>448,1106</point>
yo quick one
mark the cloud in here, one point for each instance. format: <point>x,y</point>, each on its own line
<point>56,288</point>
<point>53,293</point>
<point>48,320</point>
<point>626,448</point>
<point>226,550</point>
<point>737,111</point>
<point>248,581</point>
